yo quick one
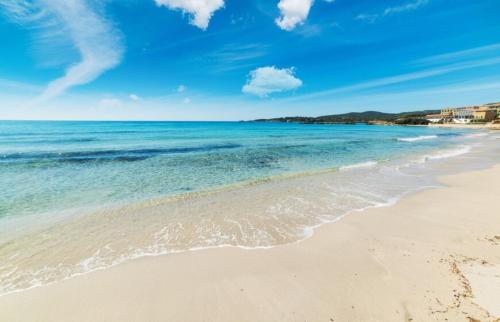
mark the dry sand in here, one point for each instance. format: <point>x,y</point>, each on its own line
<point>480,126</point>
<point>434,256</point>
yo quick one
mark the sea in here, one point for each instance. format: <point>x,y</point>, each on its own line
<point>76,197</point>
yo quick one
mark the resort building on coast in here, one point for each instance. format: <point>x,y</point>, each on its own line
<point>469,114</point>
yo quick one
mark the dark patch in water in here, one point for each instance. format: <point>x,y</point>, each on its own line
<point>449,134</point>
<point>76,140</point>
<point>107,155</point>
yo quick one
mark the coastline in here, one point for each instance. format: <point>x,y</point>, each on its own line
<point>410,261</point>
<point>487,126</point>
<point>273,212</point>
<point>477,126</point>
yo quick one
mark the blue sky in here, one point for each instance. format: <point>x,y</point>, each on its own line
<point>243,59</point>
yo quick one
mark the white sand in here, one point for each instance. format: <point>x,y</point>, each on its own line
<point>433,256</point>
<point>485,282</point>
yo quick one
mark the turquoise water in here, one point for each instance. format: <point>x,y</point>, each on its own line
<point>81,196</point>
<point>50,167</point>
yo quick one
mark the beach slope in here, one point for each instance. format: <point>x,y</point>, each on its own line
<point>433,256</point>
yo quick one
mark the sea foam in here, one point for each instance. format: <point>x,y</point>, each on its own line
<point>418,138</point>
<point>367,164</point>
<point>449,153</point>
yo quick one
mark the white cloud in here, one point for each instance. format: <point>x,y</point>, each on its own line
<point>406,7</point>
<point>267,80</point>
<point>110,102</point>
<point>293,13</point>
<point>98,44</point>
<point>134,97</point>
<point>187,100</point>
<point>181,89</point>
<point>201,10</point>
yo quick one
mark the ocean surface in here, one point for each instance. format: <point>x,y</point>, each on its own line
<point>81,196</point>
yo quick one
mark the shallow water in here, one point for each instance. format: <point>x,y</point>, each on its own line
<point>88,195</point>
<point>51,167</point>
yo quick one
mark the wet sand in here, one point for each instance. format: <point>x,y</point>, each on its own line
<point>433,256</point>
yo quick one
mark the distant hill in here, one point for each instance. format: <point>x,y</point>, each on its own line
<point>415,117</point>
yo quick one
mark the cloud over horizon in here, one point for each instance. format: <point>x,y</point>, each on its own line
<point>134,97</point>
<point>267,80</point>
<point>110,103</point>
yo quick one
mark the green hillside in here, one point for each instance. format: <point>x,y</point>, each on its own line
<point>415,117</point>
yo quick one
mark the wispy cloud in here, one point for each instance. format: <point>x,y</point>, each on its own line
<point>405,7</point>
<point>15,85</point>
<point>234,56</point>
<point>409,6</point>
<point>239,52</point>
<point>473,87</point>
<point>391,80</point>
<point>492,50</point>
<point>97,42</point>
<point>110,103</point>
<point>458,94</point>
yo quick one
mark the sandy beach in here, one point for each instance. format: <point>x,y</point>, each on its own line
<point>434,256</point>
<point>487,126</point>
<point>249,161</point>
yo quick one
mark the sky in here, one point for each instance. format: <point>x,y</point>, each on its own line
<point>243,59</point>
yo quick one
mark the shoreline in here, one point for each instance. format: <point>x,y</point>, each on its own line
<point>321,260</point>
<point>486,126</point>
<point>126,238</point>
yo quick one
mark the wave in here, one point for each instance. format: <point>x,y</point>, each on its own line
<point>437,155</point>
<point>450,153</point>
<point>418,138</point>
<point>367,164</point>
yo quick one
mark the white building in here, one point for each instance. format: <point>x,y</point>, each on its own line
<point>435,118</point>
<point>463,115</point>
